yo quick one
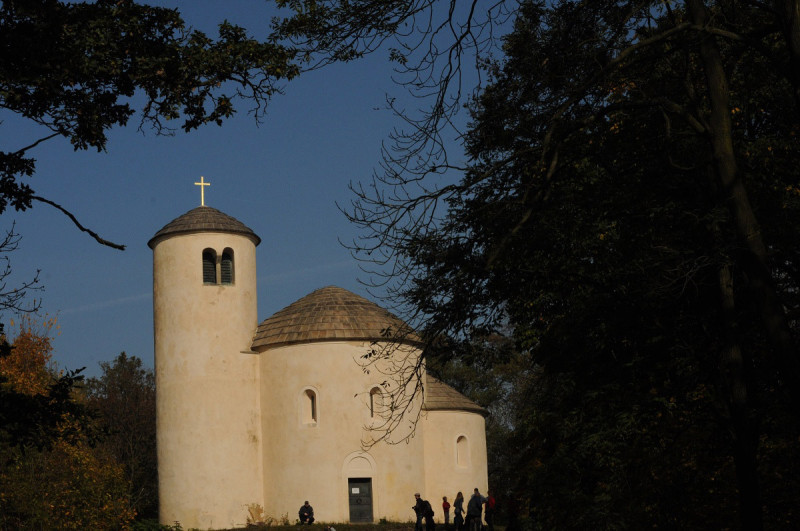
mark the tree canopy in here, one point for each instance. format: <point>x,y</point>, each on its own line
<point>124,400</point>
<point>51,475</point>
<point>627,217</point>
<point>33,400</point>
<point>77,69</point>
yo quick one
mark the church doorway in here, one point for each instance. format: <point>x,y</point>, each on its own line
<point>360,496</point>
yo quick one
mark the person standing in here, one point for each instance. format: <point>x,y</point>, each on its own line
<point>430,525</point>
<point>474,511</point>
<point>419,510</point>
<point>489,511</point>
<point>446,510</point>
<point>458,509</point>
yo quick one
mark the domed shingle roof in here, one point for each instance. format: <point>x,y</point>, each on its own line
<point>331,313</point>
<point>204,219</point>
<point>441,397</point>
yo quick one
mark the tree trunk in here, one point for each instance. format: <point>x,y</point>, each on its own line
<point>734,370</point>
<point>754,253</point>
<point>789,18</point>
<point>755,263</point>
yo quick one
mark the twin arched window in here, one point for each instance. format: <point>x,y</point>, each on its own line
<point>218,271</point>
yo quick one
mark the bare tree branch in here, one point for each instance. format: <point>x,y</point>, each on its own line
<point>78,224</point>
<point>26,148</point>
<point>13,298</point>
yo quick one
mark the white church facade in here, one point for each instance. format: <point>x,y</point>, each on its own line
<point>269,415</point>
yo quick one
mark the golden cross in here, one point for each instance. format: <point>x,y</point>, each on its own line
<point>202,184</point>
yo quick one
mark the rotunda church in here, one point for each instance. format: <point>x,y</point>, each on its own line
<point>326,401</point>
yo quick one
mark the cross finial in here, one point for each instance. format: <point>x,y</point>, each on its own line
<point>202,184</point>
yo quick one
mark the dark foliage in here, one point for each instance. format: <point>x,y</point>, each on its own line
<point>35,420</point>
<point>627,221</point>
<point>77,69</point>
<point>124,400</point>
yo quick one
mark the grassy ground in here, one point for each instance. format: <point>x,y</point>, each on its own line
<point>384,526</point>
<point>152,525</point>
<point>393,526</point>
<point>389,526</point>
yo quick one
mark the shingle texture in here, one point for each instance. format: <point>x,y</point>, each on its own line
<point>335,314</point>
<point>204,219</point>
<point>440,396</point>
<point>331,313</point>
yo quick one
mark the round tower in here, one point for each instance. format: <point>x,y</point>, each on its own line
<point>207,378</point>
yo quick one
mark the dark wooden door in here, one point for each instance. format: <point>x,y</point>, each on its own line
<point>360,495</point>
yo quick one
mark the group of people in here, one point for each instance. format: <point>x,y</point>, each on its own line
<point>477,506</point>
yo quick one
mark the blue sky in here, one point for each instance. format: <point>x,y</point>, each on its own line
<point>282,179</point>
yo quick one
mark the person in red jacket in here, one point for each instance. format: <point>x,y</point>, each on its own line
<point>446,510</point>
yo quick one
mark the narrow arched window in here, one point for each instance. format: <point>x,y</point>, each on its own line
<point>375,402</point>
<point>310,407</point>
<point>209,267</point>
<point>462,451</point>
<point>226,267</point>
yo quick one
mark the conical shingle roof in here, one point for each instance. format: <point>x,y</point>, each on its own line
<point>440,396</point>
<point>204,219</point>
<point>331,314</point>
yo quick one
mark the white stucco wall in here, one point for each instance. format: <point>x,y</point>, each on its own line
<point>207,389</point>
<point>312,461</point>
<point>444,475</point>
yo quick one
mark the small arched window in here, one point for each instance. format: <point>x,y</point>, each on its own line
<point>209,267</point>
<point>375,402</point>
<point>226,266</point>
<point>462,451</point>
<point>309,407</point>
